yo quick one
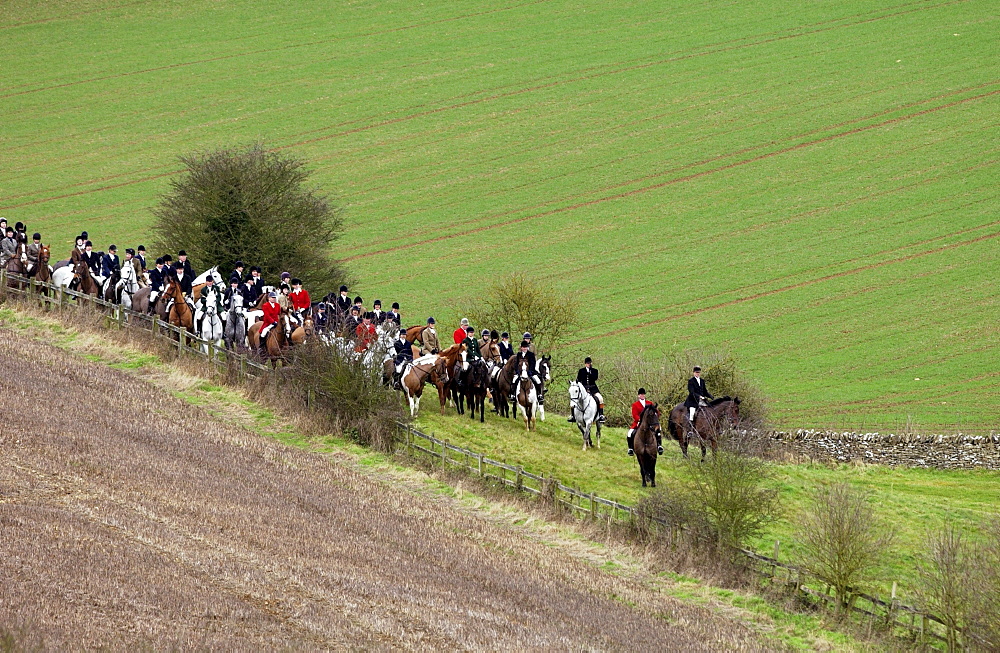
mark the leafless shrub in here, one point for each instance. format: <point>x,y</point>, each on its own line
<point>844,542</point>
<point>983,623</point>
<point>945,579</point>
<point>517,303</point>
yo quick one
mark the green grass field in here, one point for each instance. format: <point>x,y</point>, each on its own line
<point>911,501</point>
<point>807,185</point>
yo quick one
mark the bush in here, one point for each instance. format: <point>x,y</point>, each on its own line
<point>946,580</point>
<point>250,205</point>
<point>516,304</point>
<point>725,506</point>
<point>983,623</point>
<point>844,543</point>
<point>341,389</point>
<point>665,379</point>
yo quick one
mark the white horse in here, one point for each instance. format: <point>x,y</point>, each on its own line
<point>584,408</point>
<point>129,284</point>
<point>235,333</point>
<point>212,323</point>
<point>63,276</point>
<point>201,278</point>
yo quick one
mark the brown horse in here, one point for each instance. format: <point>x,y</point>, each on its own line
<point>304,332</point>
<point>42,272</point>
<point>180,314</point>
<point>501,388</point>
<point>415,376</point>
<point>453,356</point>
<point>645,442</point>
<point>440,378</point>
<point>527,396</point>
<point>16,266</point>
<point>87,285</point>
<point>276,340</point>
<point>709,421</point>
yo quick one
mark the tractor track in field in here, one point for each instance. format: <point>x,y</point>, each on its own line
<point>675,180</point>
<point>72,16</point>
<point>702,51</point>
<point>796,286</point>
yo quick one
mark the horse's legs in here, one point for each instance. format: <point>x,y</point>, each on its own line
<point>652,472</point>
<point>642,471</point>
<point>598,435</point>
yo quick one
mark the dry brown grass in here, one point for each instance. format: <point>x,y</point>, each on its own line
<point>130,518</point>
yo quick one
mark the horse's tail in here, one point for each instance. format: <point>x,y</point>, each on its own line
<point>672,426</point>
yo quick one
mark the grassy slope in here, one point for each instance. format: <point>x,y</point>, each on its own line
<point>810,187</point>
<point>910,500</point>
<point>795,630</point>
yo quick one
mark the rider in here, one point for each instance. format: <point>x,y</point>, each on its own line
<point>491,352</point>
<point>637,407</point>
<point>526,355</point>
<point>110,263</point>
<point>257,280</point>
<point>506,349</point>
<point>31,253</point>
<point>429,339</point>
<point>404,354</point>
<point>365,333</point>
<point>460,334</point>
<point>394,315</point>
<point>237,272</point>
<point>234,289</point>
<point>8,247</point>
<point>272,316</point>
<point>472,351</point>
<point>531,345</point>
<point>250,291</point>
<point>352,323</point>
<point>587,377</point>
<point>132,260</point>
<point>360,305</point>
<point>140,256</point>
<point>157,276</point>
<point>201,308</point>
<point>300,301</point>
<point>321,318</point>
<point>697,392</point>
<point>93,261</point>
<point>343,305</point>
<point>183,262</point>
<point>77,255</point>
<point>183,280</point>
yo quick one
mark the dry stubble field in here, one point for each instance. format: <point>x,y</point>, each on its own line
<point>130,518</point>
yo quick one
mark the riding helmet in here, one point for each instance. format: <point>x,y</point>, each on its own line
<point>159,260</point>
<point>19,226</point>
<point>182,253</point>
<point>526,336</point>
<point>395,305</point>
<point>129,250</point>
<point>504,335</point>
<point>524,343</point>
<point>494,335</point>
<point>358,300</point>
<point>239,264</point>
<point>430,320</point>
<point>112,248</point>
<point>696,369</point>
<point>641,391</point>
<point>485,332</point>
<point>343,289</point>
<point>296,282</point>
<point>36,236</point>
<point>587,360</point>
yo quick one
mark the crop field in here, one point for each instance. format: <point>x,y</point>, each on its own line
<point>810,185</point>
<point>132,520</point>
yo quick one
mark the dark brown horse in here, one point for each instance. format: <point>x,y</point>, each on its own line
<point>645,443</point>
<point>501,388</point>
<point>477,380</point>
<point>440,378</point>
<point>16,266</point>
<point>87,283</point>
<point>709,421</point>
<point>276,340</point>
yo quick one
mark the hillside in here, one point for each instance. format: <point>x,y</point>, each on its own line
<point>132,519</point>
<point>806,185</point>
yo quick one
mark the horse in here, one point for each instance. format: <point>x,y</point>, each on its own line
<point>87,283</point>
<point>527,397</point>
<point>180,314</point>
<point>109,287</point>
<point>477,380</point>
<point>16,266</point>
<point>585,410</point>
<point>502,382</point>
<point>414,334</point>
<point>128,286</point>
<point>211,327</point>
<point>199,282</point>
<point>43,272</point>
<point>645,442</point>
<point>235,332</point>
<point>276,341</point>
<point>414,376</point>
<point>709,421</point>
<point>304,331</point>
<point>442,377</point>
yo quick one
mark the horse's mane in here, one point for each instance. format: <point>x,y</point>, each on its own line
<point>716,402</point>
<point>454,349</point>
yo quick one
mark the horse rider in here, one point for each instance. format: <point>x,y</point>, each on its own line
<point>183,280</point>
<point>110,263</point>
<point>131,273</point>
<point>587,377</point>
<point>321,317</point>
<point>343,305</point>
<point>378,315</point>
<point>460,334</point>
<point>394,315</point>
<point>140,255</point>
<point>366,334</point>
<point>79,251</point>
<point>360,305</point>
<point>235,288</point>
<point>257,281</point>
<point>490,350</point>
<point>472,351</point>
<point>250,292</point>
<point>429,339</point>
<point>237,272</point>
<point>3,225</point>
<point>404,354</point>
<point>506,349</point>
<point>272,316</point>
<point>183,262</point>
<point>697,393</point>
<point>525,354</point>
<point>210,297</point>
<point>531,345</point>
<point>300,301</point>
<point>93,262</point>
<point>132,260</point>
<point>157,276</point>
<point>31,254</point>
<point>8,247</point>
<point>637,407</point>
<point>352,323</point>
<point>20,233</point>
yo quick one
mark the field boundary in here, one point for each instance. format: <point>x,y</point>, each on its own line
<point>921,626</point>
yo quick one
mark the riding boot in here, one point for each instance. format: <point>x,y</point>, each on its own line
<point>600,414</point>
<point>659,442</point>
<point>572,414</point>
<point>631,445</point>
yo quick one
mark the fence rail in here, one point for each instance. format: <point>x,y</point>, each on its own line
<point>921,625</point>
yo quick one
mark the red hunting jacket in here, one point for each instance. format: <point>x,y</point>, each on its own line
<point>637,412</point>
<point>300,300</point>
<point>459,335</point>
<point>272,313</point>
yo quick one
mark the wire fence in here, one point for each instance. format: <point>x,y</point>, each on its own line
<point>922,627</point>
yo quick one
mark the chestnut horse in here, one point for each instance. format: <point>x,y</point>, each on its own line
<point>180,314</point>
<point>709,421</point>
<point>276,340</point>
<point>42,272</point>
<point>645,442</point>
<point>443,380</point>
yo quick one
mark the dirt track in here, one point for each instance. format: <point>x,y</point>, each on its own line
<point>128,518</point>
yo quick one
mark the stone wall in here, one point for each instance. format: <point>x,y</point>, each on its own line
<point>939,451</point>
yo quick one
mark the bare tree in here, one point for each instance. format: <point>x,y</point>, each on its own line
<point>983,627</point>
<point>844,542</point>
<point>516,303</point>
<point>945,579</point>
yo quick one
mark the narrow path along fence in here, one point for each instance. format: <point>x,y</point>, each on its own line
<point>923,627</point>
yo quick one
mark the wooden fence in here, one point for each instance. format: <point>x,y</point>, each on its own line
<point>924,628</point>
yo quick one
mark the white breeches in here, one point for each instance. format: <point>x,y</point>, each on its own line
<point>691,411</point>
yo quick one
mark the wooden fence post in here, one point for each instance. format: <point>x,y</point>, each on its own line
<point>444,453</point>
<point>518,480</point>
<point>593,506</point>
<point>480,461</point>
<point>180,340</point>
